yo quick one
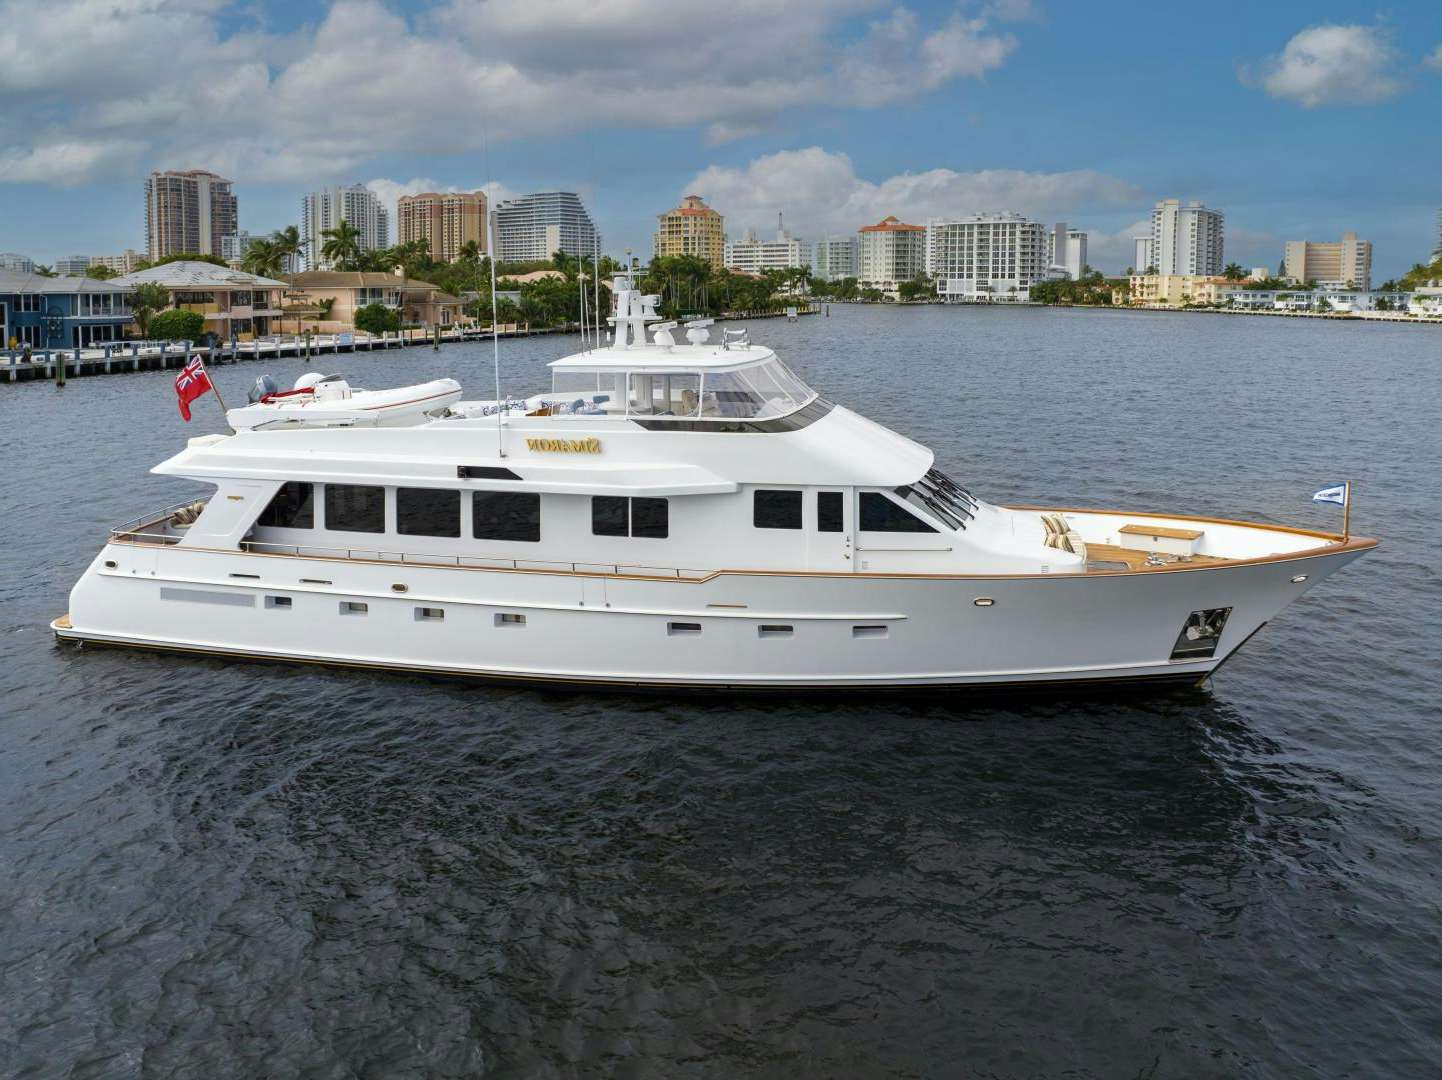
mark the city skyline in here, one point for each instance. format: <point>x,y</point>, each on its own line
<point>925,110</point>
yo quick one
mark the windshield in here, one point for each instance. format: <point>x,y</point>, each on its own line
<point>754,393</point>
<point>766,390</point>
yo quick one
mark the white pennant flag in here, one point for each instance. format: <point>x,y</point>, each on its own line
<point>1336,494</point>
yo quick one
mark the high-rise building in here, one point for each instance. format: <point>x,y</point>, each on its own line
<point>120,264</point>
<point>1144,258</point>
<point>71,266</point>
<point>1186,240</point>
<point>188,212</point>
<point>692,228</point>
<point>446,220</point>
<point>356,205</point>
<point>752,255</point>
<point>1066,251</point>
<point>834,258</point>
<point>537,226</point>
<point>20,264</point>
<point>1437,251</point>
<point>889,253</point>
<point>986,257</point>
<point>1345,265</point>
<point>232,248</point>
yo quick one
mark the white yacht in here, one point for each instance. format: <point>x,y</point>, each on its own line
<point>679,515</point>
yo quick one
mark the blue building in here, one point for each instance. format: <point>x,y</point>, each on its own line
<point>61,312</point>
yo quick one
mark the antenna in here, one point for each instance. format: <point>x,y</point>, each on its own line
<point>495,303</point>
<point>596,280</point>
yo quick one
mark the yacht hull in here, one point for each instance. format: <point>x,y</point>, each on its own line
<point>739,630</point>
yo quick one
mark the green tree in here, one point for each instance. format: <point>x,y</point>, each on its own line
<point>177,324</point>
<point>1234,272</point>
<point>100,273</point>
<point>44,271</point>
<point>342,245</point>
<point>920,287</point>
<point>288,246</point>
<point>145,300</point>
<point>377,319</point>
<point>263,257</point>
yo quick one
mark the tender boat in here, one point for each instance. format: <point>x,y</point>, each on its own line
<point>676,515</point>
<point>323,400</point>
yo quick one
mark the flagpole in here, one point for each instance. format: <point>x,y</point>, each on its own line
<point>1347,512</point>
<point>224,412</point>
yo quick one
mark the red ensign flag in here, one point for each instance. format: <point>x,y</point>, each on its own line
<point>190,384</point>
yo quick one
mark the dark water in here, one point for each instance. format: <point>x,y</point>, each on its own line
<point>231,870</point>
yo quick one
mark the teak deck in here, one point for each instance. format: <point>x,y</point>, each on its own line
<point>1137,560</point>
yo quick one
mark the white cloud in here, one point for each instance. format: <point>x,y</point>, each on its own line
<point>65,163</point>
<point>1333,65</point>
<point>265,107</point>
<point>821,193</point>
<point>1434,59</point>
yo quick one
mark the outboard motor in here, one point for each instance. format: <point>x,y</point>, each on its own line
<point>263,387</point>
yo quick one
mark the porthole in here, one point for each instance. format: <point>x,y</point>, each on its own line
<point>1297,579</point>
<point>768,630</point>
<point>683,629</point>
<point>430,614</point>
<point>506,618</point>
<point>110,564</point>
<point>398,587</point>
<point>983,601</point>
<point>281,602</point>
<point>868,631</point>
<point>353,607</point>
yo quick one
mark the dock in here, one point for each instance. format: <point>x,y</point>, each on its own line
<point>123,356</point>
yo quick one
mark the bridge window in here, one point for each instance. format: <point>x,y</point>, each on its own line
<point>292,507</point>
<point>880,514</point>
<point>355,508</point>
<point>776,509</point>
<point>428,512</point>
<point>506,515</point>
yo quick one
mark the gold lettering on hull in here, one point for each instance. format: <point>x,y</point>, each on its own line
<point>564,446</point>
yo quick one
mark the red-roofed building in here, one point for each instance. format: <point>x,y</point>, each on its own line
<point>889,253</point>
<point>692,228</point>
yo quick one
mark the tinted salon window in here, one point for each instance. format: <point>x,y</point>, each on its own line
<point>776,510</point>
<point>354,508</point>
<point>428,512</point>
<point>292,508</point>
<point>506,515</point>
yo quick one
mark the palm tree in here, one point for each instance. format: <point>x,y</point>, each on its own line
<point>470,252</point>
<point>262,257</point>
<point>289,246</point>
<point>1234,272</point>
<point>148,298</point>
<point>342,246</point>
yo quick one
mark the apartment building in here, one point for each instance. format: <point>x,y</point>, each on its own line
<point>16,263</point>
<point>538,225</point>
<point>188,212</point>
<point>1186,240</point>
<point>356,205</point>
<point>71,266</point>
<point>888,253</point>
<point>119,264</point>
<point>446,221</point>
<point>986,258</point>
<point>1343,265</point>
<point>834,258</point>
<point>751,255</point>
<point>1066,251</point>
<point>692,228</point>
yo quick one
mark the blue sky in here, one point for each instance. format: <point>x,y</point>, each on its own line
<point>1298,120</point>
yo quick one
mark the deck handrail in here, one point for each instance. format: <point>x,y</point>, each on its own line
<point>150,518</point>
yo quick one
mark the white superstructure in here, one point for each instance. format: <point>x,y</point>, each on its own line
<point>753,255</point>
<point>677,514</point>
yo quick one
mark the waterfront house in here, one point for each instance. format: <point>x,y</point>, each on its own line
<point>61,313</point>
<point>233,302</point>
<point>349,291</point>
<point>428,305</point>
